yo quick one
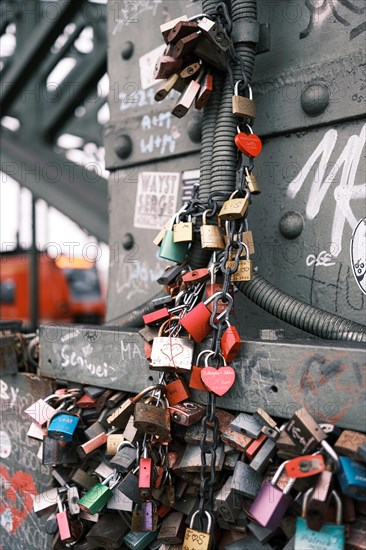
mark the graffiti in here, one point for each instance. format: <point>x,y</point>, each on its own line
<point>16,500</point>
<point>343,193</point>
<point>324,259</point>
<point>321,10</point>
<point>329,375</point>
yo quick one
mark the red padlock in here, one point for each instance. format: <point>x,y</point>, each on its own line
<point>249,144</point>
<point>195,381</point>
<point>176,391</point>
<point>197,321</point>
<point>196,276</point>
<point>156,317</point>
<point>305,465</point>
<point>145,475</point>
<point>230,343</point>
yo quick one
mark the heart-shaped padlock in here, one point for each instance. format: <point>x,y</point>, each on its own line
<point>249,144</point>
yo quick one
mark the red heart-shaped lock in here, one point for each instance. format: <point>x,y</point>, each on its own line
<point>249,144</point>
<point>219,381</point>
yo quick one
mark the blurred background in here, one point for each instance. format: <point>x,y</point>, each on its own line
<point>54,219</point>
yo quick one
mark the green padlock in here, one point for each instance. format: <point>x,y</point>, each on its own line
<point>97,497</point>
<point>169,250</point>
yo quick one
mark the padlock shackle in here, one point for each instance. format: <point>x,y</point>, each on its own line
<point>147,390</point>
<point>291,482</point>
<point>200,16</point>
<point>331,454</point>
<point>162,327</point>
<point>247,87</point>
<point>247,125</point>
<point>222,357</point>
<point>209,351</point>
<point>334,494</point>
<point>209,520</point>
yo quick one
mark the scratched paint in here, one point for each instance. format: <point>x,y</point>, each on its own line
<point>323,183</point>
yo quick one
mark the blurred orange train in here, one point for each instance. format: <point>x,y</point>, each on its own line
<point>69,291</point>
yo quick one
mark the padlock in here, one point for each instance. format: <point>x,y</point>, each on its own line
<point>130,433</point>
<point>73,500</point>
<point>185,45</point>
<point>244,271</point>
<point>56,451</point>
<point>108,532</point>
<point>352,478</point>
<point>63,425</point>
<point>183,230</point>
<point>196,276</point>
<point>191,461</point>
<point>249,144</point>
<point>92,445</point>
<point>169,250</point>
<point>271,503</point>
<point>129,486</point>
<point>237,440</point>
<point>247,424</point>
<point>212,55</point>
<point>36,432</point>
<point>255,447</point>
<point>46,502</point>
<point>195,381</point>
<point>120,417</point>
<point>215,34</point>
<point>205,92</point>
<point>41,412</point>
<point>187,73</point>
<point>171,353</point>
<point>149,516</point>
<point>82,478</point>
<point>230,343</point>
<point>235,207</point>
<point>251,182</point>
<point>167,27</point>
<point>113,441</point>
<point>348,444</point>
<point>246,482</point>
<point>170,274</point>
<point>86,402</point>
<point>172,529</point>
<point>213,287</point>
<point>197,321</point>
<point>212,236</point>
<point>243,106</point>
<point>50,525</point>
<point>218,380</point>
<point>159,237</point>
<point>304,432</point>
<point>139,541</point>
<point>153,419</point>
<point>319,500</point>
<point>63,522</point>
<point>156,317</point>
<point>182,29</point>
<point>228,502</point>
<point>264,419</point>
<point>177,391</point>
<point>119,501</point>
<point>305,465</point>
<point>97,497</point>
<point>187,413</point>
<point>166,66</point>
<point>161,93</point>
<point>115,399</point>
<point>329,536</point>
<point>125,457</point>
<point>184,103</point>
<point>145,475</point>
<point>194,539</point>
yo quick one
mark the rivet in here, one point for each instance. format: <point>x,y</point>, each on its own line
<point>315,98</point>
<point>194,128</point>
<point>123,146</point>
<point>127,50</point>
<point>291,225</point>
<point>128,241</point>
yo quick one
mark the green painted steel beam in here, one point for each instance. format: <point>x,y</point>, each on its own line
<point>79,193</point>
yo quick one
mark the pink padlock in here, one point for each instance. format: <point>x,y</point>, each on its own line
<point>63,522</point>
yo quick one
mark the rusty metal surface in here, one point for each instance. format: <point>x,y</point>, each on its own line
<point>327,378</point>
<point>21,473</point>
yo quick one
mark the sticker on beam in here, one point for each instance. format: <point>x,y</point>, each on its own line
<point>156,199</point>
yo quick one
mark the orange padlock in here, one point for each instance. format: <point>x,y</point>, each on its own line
<point>195,381</point>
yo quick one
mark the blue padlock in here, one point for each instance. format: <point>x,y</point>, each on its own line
<point>63,426</point>
<point>352,478</point>
<point>139,541</point>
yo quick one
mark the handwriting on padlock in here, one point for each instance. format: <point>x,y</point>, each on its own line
<point>171,351</point>
<point>219,381</point>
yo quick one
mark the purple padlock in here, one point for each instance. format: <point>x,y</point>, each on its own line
<point>147,509</point>
<point>271,503</point>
